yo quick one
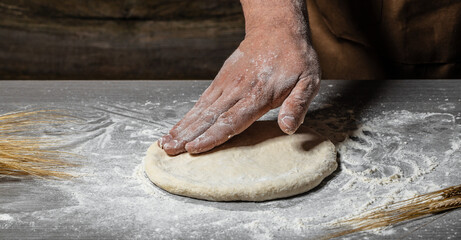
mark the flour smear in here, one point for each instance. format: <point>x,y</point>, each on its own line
<point>394,156</point>
<point>382,159</point>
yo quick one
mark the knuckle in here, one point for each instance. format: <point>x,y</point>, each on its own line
<point>315,81</point>
<point>300,104</point>
<point>226,118</point>
<point>227,123</point>
<point>209,118</point>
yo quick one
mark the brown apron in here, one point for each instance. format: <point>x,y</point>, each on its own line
<point>376,39</point>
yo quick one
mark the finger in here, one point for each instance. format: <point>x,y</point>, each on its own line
<point>163,140</point>
<point>208,118</point>
<point>295,106</point>
<point>210,95</point>
<point>229,124</point>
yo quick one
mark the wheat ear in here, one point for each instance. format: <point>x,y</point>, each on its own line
<point>416,207</point>
<point>23,154</point>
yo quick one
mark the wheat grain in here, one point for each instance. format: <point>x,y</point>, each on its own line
<point>22,154</point>
<point>413,208</point>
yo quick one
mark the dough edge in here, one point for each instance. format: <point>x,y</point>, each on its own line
<point>262,191</point>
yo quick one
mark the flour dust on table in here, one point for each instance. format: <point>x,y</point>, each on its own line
<point>386,156</point>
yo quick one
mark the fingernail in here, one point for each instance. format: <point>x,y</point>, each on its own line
<point>171,144</point>
<point>190,146</point>
<point>164,140</point>
<point>290,124</point>
<point>161,141</point>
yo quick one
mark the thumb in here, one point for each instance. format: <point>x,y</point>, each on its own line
<point>295,106</point>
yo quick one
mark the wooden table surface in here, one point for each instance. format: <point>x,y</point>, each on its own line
<point>111,199</point>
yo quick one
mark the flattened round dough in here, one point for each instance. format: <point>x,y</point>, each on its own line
<point>260,164</point>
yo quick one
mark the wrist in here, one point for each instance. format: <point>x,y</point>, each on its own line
<point>267,15</point>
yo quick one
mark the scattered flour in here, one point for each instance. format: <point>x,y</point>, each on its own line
<point>6,217</point>
<point>383,159</point>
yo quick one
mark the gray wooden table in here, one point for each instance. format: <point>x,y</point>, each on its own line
<point>394,139</point>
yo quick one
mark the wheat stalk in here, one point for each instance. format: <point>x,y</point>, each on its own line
<point>413,208</point>
<point>22,154</point>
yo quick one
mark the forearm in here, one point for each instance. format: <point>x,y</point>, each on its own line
<point>270,14</point>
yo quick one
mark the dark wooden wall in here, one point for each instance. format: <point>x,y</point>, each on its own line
<point>117,39</point>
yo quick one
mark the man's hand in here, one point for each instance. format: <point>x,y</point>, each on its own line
<point>275,65</point>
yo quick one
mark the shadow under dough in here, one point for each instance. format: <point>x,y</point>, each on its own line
<point>352,95</point>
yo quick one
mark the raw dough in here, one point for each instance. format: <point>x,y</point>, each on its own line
<point>260,164</point>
